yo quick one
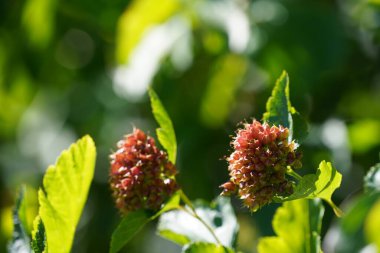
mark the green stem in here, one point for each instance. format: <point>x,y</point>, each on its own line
<point>193,213</point>
<point>292,173</point>
<point>338,212</point>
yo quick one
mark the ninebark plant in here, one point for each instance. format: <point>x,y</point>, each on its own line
<point>262,168</point>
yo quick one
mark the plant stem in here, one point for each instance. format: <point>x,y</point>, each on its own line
<point>338,212</point>
<point>193,213</point>
<point>292,173</point>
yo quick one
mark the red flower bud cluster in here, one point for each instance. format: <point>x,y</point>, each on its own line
<point>258,165</point>
<point>141,177</point>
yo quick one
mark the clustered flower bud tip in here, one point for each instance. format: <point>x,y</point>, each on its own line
<point>141,176</point>
<point>258,164</point>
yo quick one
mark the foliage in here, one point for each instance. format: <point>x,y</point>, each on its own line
<point>298,226</point>
<point>69,68</point>
<point>165,133</point>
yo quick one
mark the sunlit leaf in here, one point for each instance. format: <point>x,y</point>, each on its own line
<point>64,193</point>
<point>133,222</point>
<point>297,225</point>
<point>224,82</point>
<point>165,133</point>
<point>320,185</point>
<point>137,19</point>
<point>279,110</point>
<point>364,135</point>
<point>180,227</point>
<point>29,208</point>
<point>202,247</point>
<point>20,240</point>
<point>372,225</point>
<point>38,20</point>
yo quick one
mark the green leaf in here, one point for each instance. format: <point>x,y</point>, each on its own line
<point>372,179</point>
<point>165,133</point>
<point>224,82</point>
<point>281,112</point>
<point>137,19</point>
<point>350,237</point>
<point>372,225</point>
<point>135,221</point>
<point>181,227</point>
<point>360,224</point>
<point>20,240</point>
<point>202,247</point>
<point>129,226</point>
<point>64,193</point>
<point>278,107</point>
<point>38,236</point>
<point>320,185</point>
<point>297,225</point>
<point>38,21</point>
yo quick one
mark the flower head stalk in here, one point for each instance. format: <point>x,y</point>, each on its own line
<point>259,162</point>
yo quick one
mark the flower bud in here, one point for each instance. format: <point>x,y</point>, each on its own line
<point>258,164</point>
<point>141,176</point>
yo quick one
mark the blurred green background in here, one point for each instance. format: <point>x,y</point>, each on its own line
<point>69,68</point>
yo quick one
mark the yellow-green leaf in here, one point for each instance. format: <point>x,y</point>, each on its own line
<point>203,247</point>
<point>297,225</point>
<point>165,133</point>
<point>64,193</point>
<point>320,185</point>
<point>137,19</point>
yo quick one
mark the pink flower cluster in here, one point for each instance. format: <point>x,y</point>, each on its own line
<point>141,177</point>
<point>258,165</point>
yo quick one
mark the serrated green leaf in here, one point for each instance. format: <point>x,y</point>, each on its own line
<point>20,240</point>
<point>278,106</point>
<point>202,247</point>
<point>372,179</point>
<point>219,216</point>
<point>165,133</point>
<point>64,193</point>
<point>297,225</point>
<point>38,236</point>
<point>320,185</point>
<point>133,222</point>
<point>281,112</point>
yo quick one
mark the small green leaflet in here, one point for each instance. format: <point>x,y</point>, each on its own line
<point>320,185</point>
<point>135,221</point>
<point>182,228</point>
<point>281,112</point>
<point>165,133</point>
<point>64,193</point>
<point>297,225</point>
<point>20,240</point>
<point>203,247</point>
